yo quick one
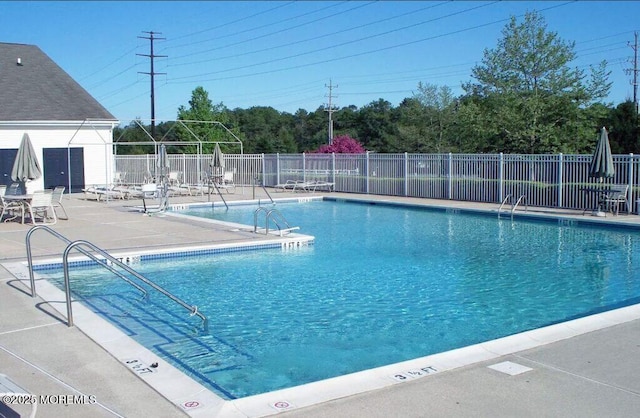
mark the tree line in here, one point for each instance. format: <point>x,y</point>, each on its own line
<point>523,98</point>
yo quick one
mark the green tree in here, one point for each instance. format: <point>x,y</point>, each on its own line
<point>439,116</point>
<point>376,128</point>
<point>623,136</point>
<point>528,93</point>
<point>132,139</point>
<point>201,123</point>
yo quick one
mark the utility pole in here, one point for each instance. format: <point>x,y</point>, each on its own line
<point>152,74</point>
<point>330,110</point>
<point>635,70</point>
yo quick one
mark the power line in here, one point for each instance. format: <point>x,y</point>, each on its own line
<point>359,40</point>
<point>268,34</point>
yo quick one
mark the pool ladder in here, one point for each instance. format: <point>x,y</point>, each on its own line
<point>275,216</point>
<point>107,261</point>
<point>509,198</point>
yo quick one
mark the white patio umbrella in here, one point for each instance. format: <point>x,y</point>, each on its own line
<point>601,166</point>
<point>217,161</point>
<point>162,164</point>
<point>26,166</point>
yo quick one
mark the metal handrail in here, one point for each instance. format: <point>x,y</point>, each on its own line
<point>268,217</point>
<point>65,264</point>
<point>85,252</point>
<point>520,199</point>
<point>219,193</point>
<point>504,201</point>
<point>255,178</point>
<point>255,217</point>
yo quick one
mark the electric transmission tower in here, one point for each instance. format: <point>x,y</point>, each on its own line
<point>330,109</point>
<point>152,73</point>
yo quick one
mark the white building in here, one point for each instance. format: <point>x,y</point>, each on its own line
<point>71,132</point>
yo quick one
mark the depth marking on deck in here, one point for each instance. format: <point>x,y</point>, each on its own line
<point>414,373</point>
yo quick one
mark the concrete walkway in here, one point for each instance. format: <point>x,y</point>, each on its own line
<point>594,374</point>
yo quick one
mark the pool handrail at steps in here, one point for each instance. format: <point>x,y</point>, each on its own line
<point>269,216</point>
<point>509,198</point>
<point>215,185</point>
<point>193,309</point>
<point>65,263</point>
<point>84,252</point>
<point>255,179</point>
<point>504,201</point>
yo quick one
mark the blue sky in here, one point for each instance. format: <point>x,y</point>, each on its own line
<point>284,54</point>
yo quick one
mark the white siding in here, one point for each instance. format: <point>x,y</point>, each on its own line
<point>96,139</point>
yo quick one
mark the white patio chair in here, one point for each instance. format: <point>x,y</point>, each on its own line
<point>227,182</point>
<point>8,207</point>
<point>119,177</point>
<point>39,206</point>
<point>56,200</point>
<point>175,178</point>
<point>617,196</point>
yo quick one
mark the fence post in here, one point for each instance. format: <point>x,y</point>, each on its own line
<point>631,200</point>
<point>450,188</point>
<point>277,167</point>
<point>560,183</point>
<point>304,167</point>
<point>406,173</point>
<point>366,177</point>
<point>501,178</point>
<point>333,169</point>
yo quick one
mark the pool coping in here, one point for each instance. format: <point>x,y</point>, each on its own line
<point>164,379</point>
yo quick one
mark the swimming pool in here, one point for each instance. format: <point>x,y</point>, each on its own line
<point>380,285</point>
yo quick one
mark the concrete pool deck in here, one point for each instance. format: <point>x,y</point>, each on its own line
<point>589,374</point>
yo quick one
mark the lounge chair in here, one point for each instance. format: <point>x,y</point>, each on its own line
<point>9,388</point>
<point>290,185</point>
<point>97,193</point>
<point>316,185</point>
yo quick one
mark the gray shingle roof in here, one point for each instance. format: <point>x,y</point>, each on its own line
<point>39,90</point>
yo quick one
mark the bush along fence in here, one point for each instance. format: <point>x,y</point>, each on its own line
<point>546,180</point>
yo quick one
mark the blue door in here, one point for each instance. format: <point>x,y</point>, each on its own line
<point>64,165</point>
<point>7,157</point>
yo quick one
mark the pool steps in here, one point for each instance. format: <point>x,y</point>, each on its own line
<point>102,262</point>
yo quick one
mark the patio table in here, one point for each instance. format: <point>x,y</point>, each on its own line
<point>599,192</point>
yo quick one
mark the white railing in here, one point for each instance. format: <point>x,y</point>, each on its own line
<point>553,180</point>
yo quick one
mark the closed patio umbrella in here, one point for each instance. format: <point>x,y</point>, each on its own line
<point>601,166</point>
<point>163,169</point>
<point>217,161</point>
<point>25,166</point>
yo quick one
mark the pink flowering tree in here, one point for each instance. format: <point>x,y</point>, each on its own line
<point>342,144</point>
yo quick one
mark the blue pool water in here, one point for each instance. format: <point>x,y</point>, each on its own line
<point>380,285</point>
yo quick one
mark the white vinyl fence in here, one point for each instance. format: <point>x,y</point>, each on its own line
<point>553,180</point>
